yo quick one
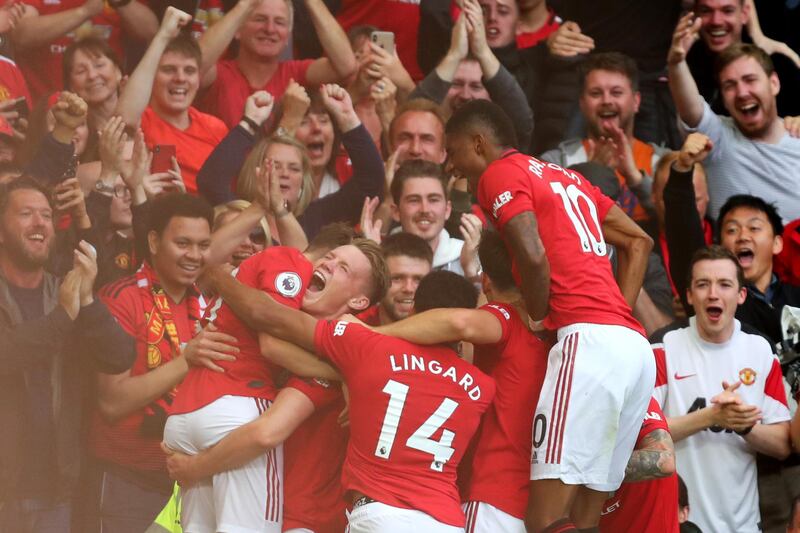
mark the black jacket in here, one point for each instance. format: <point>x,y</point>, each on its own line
<point>76,350</point>
<point>684,234</point>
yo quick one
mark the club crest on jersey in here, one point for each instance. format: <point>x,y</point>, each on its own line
<point>747,376</point>
<point>288,284</point>
<point>502,199</point>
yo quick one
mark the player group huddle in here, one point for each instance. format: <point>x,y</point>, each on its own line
<point>551,433</point>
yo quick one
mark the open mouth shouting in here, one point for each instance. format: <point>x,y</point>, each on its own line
<point>714,313</point>
<point>318,282</point>
<point>746,256</point>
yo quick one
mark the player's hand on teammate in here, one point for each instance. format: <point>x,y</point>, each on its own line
<point>179,467</point>
<point>339,104</point>
<point>686,33</point>
<point>210,346</point>
<point>695,149</point>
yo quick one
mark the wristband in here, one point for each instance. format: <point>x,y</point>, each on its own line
<point>745,432</point>
<point>116,4</point>
<point>252,123</point>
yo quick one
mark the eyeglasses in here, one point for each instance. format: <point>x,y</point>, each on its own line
<point>121,191</point>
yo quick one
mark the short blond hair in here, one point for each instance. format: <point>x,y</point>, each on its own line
<point>237,206</point>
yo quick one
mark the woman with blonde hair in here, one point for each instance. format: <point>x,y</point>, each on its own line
<point>293,169</point>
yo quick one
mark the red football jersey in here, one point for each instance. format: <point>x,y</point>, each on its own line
<point>122,442</point>
<point>644,506</point>
<point>312,462</point>
<point>281,272</point>
<point>413,411</point>
<point>500,473</point>
<point>569,211</point>
<point>226,96</point>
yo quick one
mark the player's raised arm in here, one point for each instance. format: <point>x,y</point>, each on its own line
<point>633,246</point>
<point>439,326</point>
<point>522,235</point>
<point>295,359</point>
<point>261,312</point>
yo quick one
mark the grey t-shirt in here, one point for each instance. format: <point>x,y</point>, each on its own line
<point>738,165</point>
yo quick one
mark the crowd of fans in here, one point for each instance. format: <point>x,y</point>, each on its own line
<point>149,150</point>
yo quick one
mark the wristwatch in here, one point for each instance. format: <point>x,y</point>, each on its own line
<point>103,188</point>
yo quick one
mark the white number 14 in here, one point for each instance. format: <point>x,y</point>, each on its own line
<point>421,439</point>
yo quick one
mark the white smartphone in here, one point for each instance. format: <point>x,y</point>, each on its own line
<point>384,39</point>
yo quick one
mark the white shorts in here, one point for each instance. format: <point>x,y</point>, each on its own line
<point>598,384</point>
<point>245,500</point>
<point>483,517</point>
<point>378,517</point>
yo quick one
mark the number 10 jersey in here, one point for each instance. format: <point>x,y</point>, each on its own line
<point>569,212</point>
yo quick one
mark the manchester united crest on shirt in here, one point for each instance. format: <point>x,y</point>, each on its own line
<point>747,376</point>
<point>288,284</point>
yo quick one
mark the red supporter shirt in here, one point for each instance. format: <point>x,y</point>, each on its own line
<point>532,38</point>
<point>192,145</point>
<point>279,271</point>
<point>645,506</point>
<point>569,211</point>
<point>121,442</point>
<point>42,65</point>
<point>12,84</point>
<point>226,96</point>
<point>312,462</point>
<point>500,473</point>
<point>400,17</point>
<point>413,411</point>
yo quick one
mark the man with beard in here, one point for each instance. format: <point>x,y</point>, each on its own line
<point>609,100</point>
<point>751,151</point>
<point>723,24</point>
<point>408,259</point>
<point>45,326</point>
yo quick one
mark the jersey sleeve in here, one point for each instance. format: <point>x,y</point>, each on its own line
<point>653,419</point>
<point>775,408</point>
<point>122,307</point>
<point>504,192</point>
<point>276,272</point>
<point>343,343</point>
<point>321,392</point>
<point>660,391</point>
<point>503,315</point>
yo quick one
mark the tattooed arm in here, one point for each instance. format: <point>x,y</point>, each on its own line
<point>653,458</point>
